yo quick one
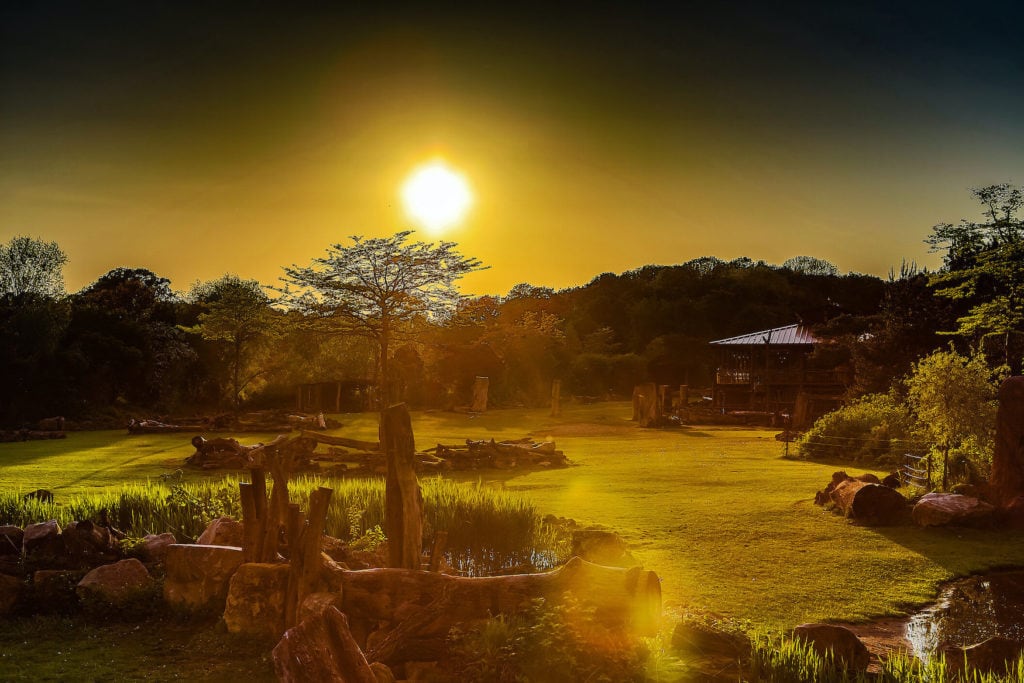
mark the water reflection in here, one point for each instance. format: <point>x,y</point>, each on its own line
<point>969,611</point>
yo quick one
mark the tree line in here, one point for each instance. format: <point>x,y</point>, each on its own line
<point>388,311</point>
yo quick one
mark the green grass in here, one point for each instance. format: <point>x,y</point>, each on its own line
<point>728,524</point>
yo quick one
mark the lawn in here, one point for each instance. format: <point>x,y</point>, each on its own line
<point>728,524</point>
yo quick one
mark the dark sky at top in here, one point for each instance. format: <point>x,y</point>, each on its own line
<point>755,124</point>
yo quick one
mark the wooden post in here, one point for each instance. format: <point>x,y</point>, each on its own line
<point>250,523</point>
<point>556,398</point>
<point>479,404</point>
<point>645,402</point>
<point>403,500</point>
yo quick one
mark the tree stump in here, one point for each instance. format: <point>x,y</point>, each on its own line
<point>646,404</point>
<point>1007,477</point>
<point>403,520</point>
<point>479,404</point>
<point>556,397</point>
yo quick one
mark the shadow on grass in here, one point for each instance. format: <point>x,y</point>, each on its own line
<point>960,549</point>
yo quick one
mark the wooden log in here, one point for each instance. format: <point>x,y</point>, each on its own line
<point>869,503</point>
<point>622,597</point>
<point>321,649</point>
<point>354,444</point>
<point>403,500</point>
<point>296,521</point>
<point>310,543</point>
<point>250,523</point>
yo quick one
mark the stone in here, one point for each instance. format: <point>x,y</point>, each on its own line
<point>115,584</point>
<point>88,545</point>
<point>198,576</point>
<point>869,478</point>
<point>11,538</point>
<point>892,481</point>
<point>43,543</point>
<point>847,649</point>
<point>11,588</point>
<point>154,547</point>
<point>53,590</point>
<point>223,531</point>
<point>602,547</point>
<point>951,509</point>
<point>1006,479</point>
<point>256,599</point>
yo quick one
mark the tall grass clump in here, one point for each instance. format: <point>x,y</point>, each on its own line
<point>876,429</point>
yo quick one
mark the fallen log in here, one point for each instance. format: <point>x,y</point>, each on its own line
<point>622,597</point>
<point>869,503</point>
<point>354,444</point>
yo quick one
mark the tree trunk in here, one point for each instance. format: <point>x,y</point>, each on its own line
<point>556,398</point>
<point>645,403</point>
<point>1007,477</point>
<point>403,500</point>
<point>321,649</point>
<point>621,597</point>
<point>871,504</point>
<point>479,403</point>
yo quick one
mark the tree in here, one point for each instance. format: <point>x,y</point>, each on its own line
<point>376,287</point>
<point>953,398</point>
<point>983,270</point>
<point>810,265</point>
<point>239,319</point>
<point>30,266</point>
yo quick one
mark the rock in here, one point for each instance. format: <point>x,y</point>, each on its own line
<point>116,584</point>
<point>256,597</point>
<point>88,545</point>
<point>868,478</point>
<point>602,547</point>
<point>701,640</point>
<point>951,509</point>
<point>892,481</point>
<point>315,603</point>
<point>970,490</point>
<point>154,547</point>
<point>1007,474</point>
<point>43,544</point>
<point>847,649</point>
<point>11,538</point>
<point>198,576</point>
<point>11,588</point>
<point>222,531</point>
<point>53,590</point>
<point>989,656</point>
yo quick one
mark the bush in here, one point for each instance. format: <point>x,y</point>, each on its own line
<point>875,429</point>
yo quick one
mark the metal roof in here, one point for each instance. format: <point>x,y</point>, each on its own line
<point>795,334</point>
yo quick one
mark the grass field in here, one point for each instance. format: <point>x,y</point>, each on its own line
<point>728,524</point>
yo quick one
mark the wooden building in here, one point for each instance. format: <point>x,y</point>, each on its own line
<point>768,372</point>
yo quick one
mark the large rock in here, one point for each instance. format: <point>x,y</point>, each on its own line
<point>256,598</point>
<point>11,538</point>
<point>1007,476</point>
<point>154,547</point>
<point>43,544</point>
<point>10,593</point>
<point>88,545</point>
<point>117,584</point>
<point>847,649</point>
<point>952,509</point>
<point>223,531</point>
<point>198,576</point>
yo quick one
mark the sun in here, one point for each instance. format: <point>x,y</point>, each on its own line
<point>436,197</point>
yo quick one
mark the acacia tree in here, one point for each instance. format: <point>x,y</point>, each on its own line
<point>240,320</point>
<point>376,288</point>
<point>983,269</point>
<point>31,266</point>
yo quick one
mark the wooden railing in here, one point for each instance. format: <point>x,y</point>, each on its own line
<point>813,377</point>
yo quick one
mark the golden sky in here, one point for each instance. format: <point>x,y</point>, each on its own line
<point>196,144</point>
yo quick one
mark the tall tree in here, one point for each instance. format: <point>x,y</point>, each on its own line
<point>376,287</point>
<point>30,266</point>
<point>238,318</point>
<point>983,270</point>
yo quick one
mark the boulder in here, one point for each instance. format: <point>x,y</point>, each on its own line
<point>198,576</point>
<point>868,478</point>
<point>989,656</point>
<point>222,531</point>
<point>847,649</point>
<point>10,593</point>
<point>43,544</point>
<point>11,538</point>
<point>115,584</point>
<point>154,547</point>
<point>892,481</point>
<point>952,509</point>
<point>602,547</point>
<point>53,590</point>
<point>88,545</point>
<point>256,598</point>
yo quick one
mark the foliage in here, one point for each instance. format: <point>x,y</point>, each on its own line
<point>810,265</point>
<point>984,269</point>
<point>547,642</point>
<point>873,429</point>
<point>953,399</point>
<point>376,287</point>
<point>31,268</point>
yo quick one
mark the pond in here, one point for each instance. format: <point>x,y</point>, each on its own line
<point>969,611</point>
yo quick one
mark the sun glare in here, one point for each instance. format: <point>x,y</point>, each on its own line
<point>436,197</point>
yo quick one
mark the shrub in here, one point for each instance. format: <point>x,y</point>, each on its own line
<point>875,428</point>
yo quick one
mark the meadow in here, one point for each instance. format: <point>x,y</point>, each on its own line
<point>726,521</point>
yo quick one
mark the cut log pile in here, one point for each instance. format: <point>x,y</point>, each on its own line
<point>226,453</point>
<point>47,428</point>
<point>260,421</point>
<point>865,499</point>
<point>502,455</point>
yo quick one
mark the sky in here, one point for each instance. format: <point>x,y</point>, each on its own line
<point>198,139</point>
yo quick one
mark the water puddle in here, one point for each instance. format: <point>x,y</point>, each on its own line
<point>969,611</point>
